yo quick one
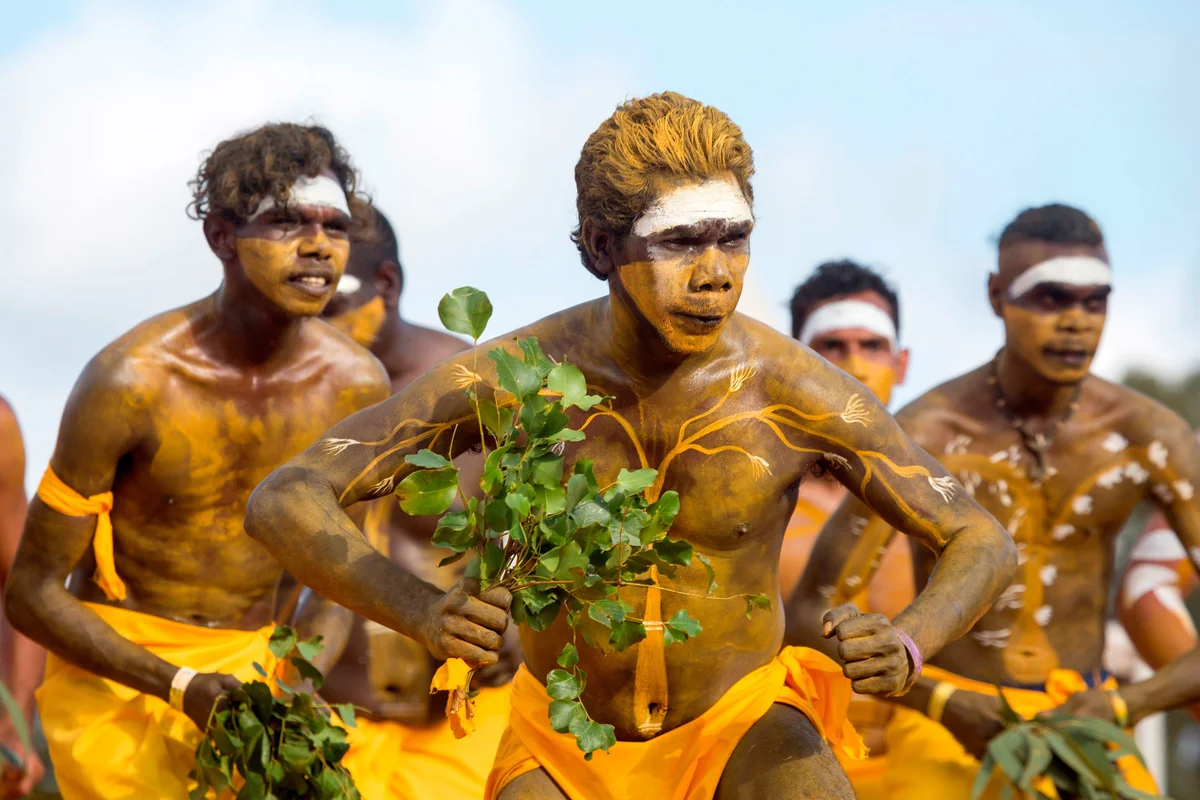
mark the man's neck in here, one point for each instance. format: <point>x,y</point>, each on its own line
<point>1028,394</point>
<point>249,329</point>
<point>634,345</point>
<point>393,345</point>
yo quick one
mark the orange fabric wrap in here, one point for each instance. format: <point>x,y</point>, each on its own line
<point>684,763</point>
<point>65,500</point>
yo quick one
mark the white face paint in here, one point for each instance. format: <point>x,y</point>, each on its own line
<point>849,314</point>
<point>694,203</point>
<point>1159,545</point>
<point>321,191</point>
<point>1071,270</point>
<point>1145,578</point>
<point>348,285</point>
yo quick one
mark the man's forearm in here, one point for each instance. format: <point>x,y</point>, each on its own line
<point>24,663</point>
<point>317,616</point>
<point>301,524</point>
<point>971,572</point>
<point>53,618</point>
<point>1175,685</point>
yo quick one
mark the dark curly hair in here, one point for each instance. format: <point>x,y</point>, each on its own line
<point>240,172</point>
<point>838,279</point>
<point>1056,223</point>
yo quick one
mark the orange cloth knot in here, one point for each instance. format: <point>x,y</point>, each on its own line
<point>454,677</point>
<point>67,501</point>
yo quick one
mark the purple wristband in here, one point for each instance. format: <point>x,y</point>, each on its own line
<point>913,653</point>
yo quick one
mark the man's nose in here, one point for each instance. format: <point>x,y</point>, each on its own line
<point>711,273</point>
<point>315,243</point>
<point>1075,320</point>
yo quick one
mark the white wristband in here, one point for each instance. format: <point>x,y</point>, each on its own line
<point>179,685</point>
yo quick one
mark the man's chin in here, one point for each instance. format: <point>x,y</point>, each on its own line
<point>1065,375</point>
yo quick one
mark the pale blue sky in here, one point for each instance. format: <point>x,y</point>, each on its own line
<point>902,133</point>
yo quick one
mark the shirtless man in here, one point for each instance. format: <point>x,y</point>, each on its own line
<point>404,749</point>
<point>665,217</point>
<point>171,427</point>
<point>851,316</point>
<point>22,659</point>
<point>1061,457</point>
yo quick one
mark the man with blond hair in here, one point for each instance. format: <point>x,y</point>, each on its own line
<point>665,217</point>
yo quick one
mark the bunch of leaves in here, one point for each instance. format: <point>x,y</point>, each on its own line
<point>265,747</point>
<point>562,543</point>
<point>1059,756</point>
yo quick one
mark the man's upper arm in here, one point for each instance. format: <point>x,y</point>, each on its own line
<point>12,487</point>
<point>875,459</point>
<point>102,421</point>
<point>1174,463</point>
<point>363,456</point>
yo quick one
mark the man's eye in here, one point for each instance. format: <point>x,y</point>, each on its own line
<point>873,346</point>
<point>734,239</point>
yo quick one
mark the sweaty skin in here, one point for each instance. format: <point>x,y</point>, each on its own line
<point>181,418</point>
<point>1116,450</point>
<point>23,660</point>
<point>733,415</point>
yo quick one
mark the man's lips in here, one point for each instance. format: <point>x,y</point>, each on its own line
<point>1072,356</point>
<point>704,319</point>
<point>315,282</point>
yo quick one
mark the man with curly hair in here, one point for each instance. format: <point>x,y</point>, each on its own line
<point>732,415</point>
<point>134,570</point>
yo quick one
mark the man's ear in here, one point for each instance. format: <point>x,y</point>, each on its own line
<point>389,283</point>
<point>995,294</point>
<point>901,365</point>
<point>600,245</point>
<point>222,237</point>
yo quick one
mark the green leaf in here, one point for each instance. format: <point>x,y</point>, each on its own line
<point>662,513</point>
<point>309,673</point>
<point>259,669</point>
<point>514,375</point>
<point>552,500</point>
<point>559,562</point>
<point>493,475</point>
<point>309,648</point>
<point>283,639</point>
<point>566,435</point>
<point>712,576</point>
<point>564,713</point>
<point>680,628</point>
<point>637,481</point>
<point>577,487</point>
<point>567,380</point>
<point>562,685</point>
<point>520,500</point>
<point>531,351</point>
<point>584,467</point>
<point>466,310</point>
<point>674,551</point>
<point>607,612</point>
<point>1058,743</point>
<point>491,563</point>
<point>260,697</point>
<point>1008,750</point>
<point>455,531</point>
<point>590,513</point>
<point>428,492</point>
<point>593,736</point>
<point>346,712</point>
<point>253,788</point>
<point>496,419</point>
<point>983,777</point>
<point>547,471</point>
<point>626,633</point>
<point>427,459</point>
<point>754,601</point>
<point>569,656</point>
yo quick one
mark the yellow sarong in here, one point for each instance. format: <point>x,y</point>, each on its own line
<point>926,761</point>
<point>682,764</point>
<point>110,742</point>
<point>392,761</point>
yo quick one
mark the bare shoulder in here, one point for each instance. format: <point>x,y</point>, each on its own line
<point>350,366</point>
<point>1139,418</point>
<point>948,411</point>
<point>9,428</point>
<point>435,346</point>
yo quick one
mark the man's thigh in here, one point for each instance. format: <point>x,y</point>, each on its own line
<point>534,785</point>
<point>783,757</point>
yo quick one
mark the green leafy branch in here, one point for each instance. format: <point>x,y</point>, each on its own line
<point>268,748</point>
<point>1059,755</point>
<point>560,543</point>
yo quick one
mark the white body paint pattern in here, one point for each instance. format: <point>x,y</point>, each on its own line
<point>1071,270</point>
<point>321,191</point>
<point>348,284</point>
<point>1043,615</point>
<point>849,314</point>
<point>1061,532</point>
<point>992,638</point>
<point>1157,453</point>
<point>692,204</point>
<point>1115,443</point>
<point>1159,545</point>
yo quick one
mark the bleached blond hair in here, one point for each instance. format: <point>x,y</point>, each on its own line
<point>647,138</point>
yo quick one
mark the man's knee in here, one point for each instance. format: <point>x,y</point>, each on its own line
<point>535,785</point>
<point>783,755</point>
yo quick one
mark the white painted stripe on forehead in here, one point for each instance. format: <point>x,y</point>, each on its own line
<point>849,314</point>
<point>694,203</point>
<point>319,191</point>
<point>1071,270</point>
